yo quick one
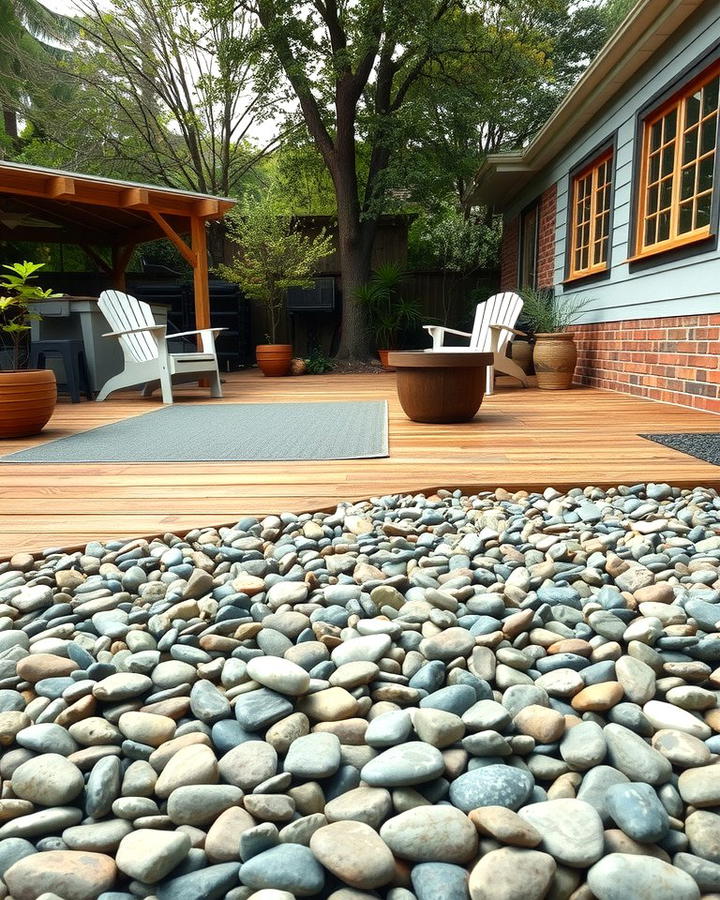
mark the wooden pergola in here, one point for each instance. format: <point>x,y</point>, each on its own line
<point>50,206</point>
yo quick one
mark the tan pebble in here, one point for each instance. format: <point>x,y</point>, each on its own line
<point>505,826</point>
<point>12,722</point>
<point>541,723</point>
<point>36,666</point>
<point>598,697</point>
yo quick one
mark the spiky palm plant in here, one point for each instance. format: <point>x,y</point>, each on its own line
<point>29,30</point>
<point>544,313</point>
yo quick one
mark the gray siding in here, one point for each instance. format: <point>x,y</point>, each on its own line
<point>685,287</point>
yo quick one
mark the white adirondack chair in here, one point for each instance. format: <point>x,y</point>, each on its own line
<point>495,320</point>
<point>147,359</point>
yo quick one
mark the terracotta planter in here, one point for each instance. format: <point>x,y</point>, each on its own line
<point>27,400</point>
<point>274,359</point>
<point>554,357</point>
<point>383,356</point>
<point>522,353</point>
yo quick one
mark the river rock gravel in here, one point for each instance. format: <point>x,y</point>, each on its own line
<point>511,696</point>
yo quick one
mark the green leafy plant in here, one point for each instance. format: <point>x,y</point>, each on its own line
<point>544,313</point>
<point>388,310</point>
<point>317,363</point>
<point>273,255</point>
<point>16,298</point>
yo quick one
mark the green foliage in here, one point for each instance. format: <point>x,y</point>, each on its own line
<point>16,299</point>
<point>273,256</point>
<point>388,310</point>
<point>544,313</point>
<point>317,362</point>
<point>445,239</point>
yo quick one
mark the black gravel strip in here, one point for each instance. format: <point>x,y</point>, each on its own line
<point>702,445</point>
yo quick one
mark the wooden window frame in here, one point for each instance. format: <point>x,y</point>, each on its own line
<point>700,74</point>
<point>522,247</point>
<point>599,158</point>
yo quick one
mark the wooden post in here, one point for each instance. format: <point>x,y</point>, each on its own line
<point>198,240</point>
<point>120,259</point>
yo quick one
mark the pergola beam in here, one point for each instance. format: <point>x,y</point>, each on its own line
<point>172,235</point>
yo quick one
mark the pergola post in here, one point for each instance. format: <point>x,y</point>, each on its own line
<point>120,259</point>
<point>198,239</point>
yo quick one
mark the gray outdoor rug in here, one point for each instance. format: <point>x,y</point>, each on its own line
<point>227,432</point>
<point>701,445</point>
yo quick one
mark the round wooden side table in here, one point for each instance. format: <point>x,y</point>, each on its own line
<point>440,386</point>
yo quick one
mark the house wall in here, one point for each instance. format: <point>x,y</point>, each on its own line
<point>618,348</point>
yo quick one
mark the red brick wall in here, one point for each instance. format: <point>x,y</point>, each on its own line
<point>674,359</point>
<point>546,238</point>
<point>509,254</point>
<point>509,251</point>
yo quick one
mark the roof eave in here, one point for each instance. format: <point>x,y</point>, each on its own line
<point>649,24</point>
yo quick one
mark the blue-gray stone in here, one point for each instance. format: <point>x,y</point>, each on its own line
<point>406,764</point>
<point>561,661</point>
<point>258,839</point>
<point>11,850</point>
<point>484,625</point>
<point>11,701</point>
<point>599,672</point>
<point>210,883</point>
<point>707,615</point>
<point>207,703</point>
<point>53,687</point>
<point>103,786</point>
<point>560,595</point>
<point>229,733</point>
<point>457,698</point>
<point>496,785</point>
<point>259,709</point>
<point>346,779</point>
<point>705,873</point>
<point>429,677</point>
<point>595,786</point>
<point>287,867</point>
<point>431,880</point>
<point>46,737</point>
<point>636,809</point>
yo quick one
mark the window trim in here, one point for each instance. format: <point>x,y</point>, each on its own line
<point>608,148</point>
<point>701,69</point>
<point>534,205</point>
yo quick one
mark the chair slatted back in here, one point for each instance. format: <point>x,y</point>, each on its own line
<point>500,309</point>
<point>122,312</point>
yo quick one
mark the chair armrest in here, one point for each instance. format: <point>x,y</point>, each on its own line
<point>445,330</point>
<point>508,328</point>
<point>207,337</point>
<point>154,329</point>
<point>178,334</point>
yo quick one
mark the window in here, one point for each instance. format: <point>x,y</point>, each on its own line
<point>590,217</point>
<point>527,275</point>
<point>680,142</point>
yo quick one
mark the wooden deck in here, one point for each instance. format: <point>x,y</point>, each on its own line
<point>520,439</point>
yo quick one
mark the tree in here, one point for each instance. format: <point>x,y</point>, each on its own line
<point>378,82</point>
<point>28,31</point>
<point>163,94</point>
<point>455,244</point>
<point>272,256</point>
<point>351,68</point>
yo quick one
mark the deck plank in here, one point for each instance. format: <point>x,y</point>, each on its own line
<point>520,439</point>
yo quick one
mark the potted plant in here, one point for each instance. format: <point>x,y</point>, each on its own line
<point>548,317</point>
<point>273,255</point>
<point>27,396</point>
<point>388,310</point>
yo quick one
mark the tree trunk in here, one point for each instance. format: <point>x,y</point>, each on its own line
<point>354,248</point>
<point>216,243</point>
<point>10,123</point>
